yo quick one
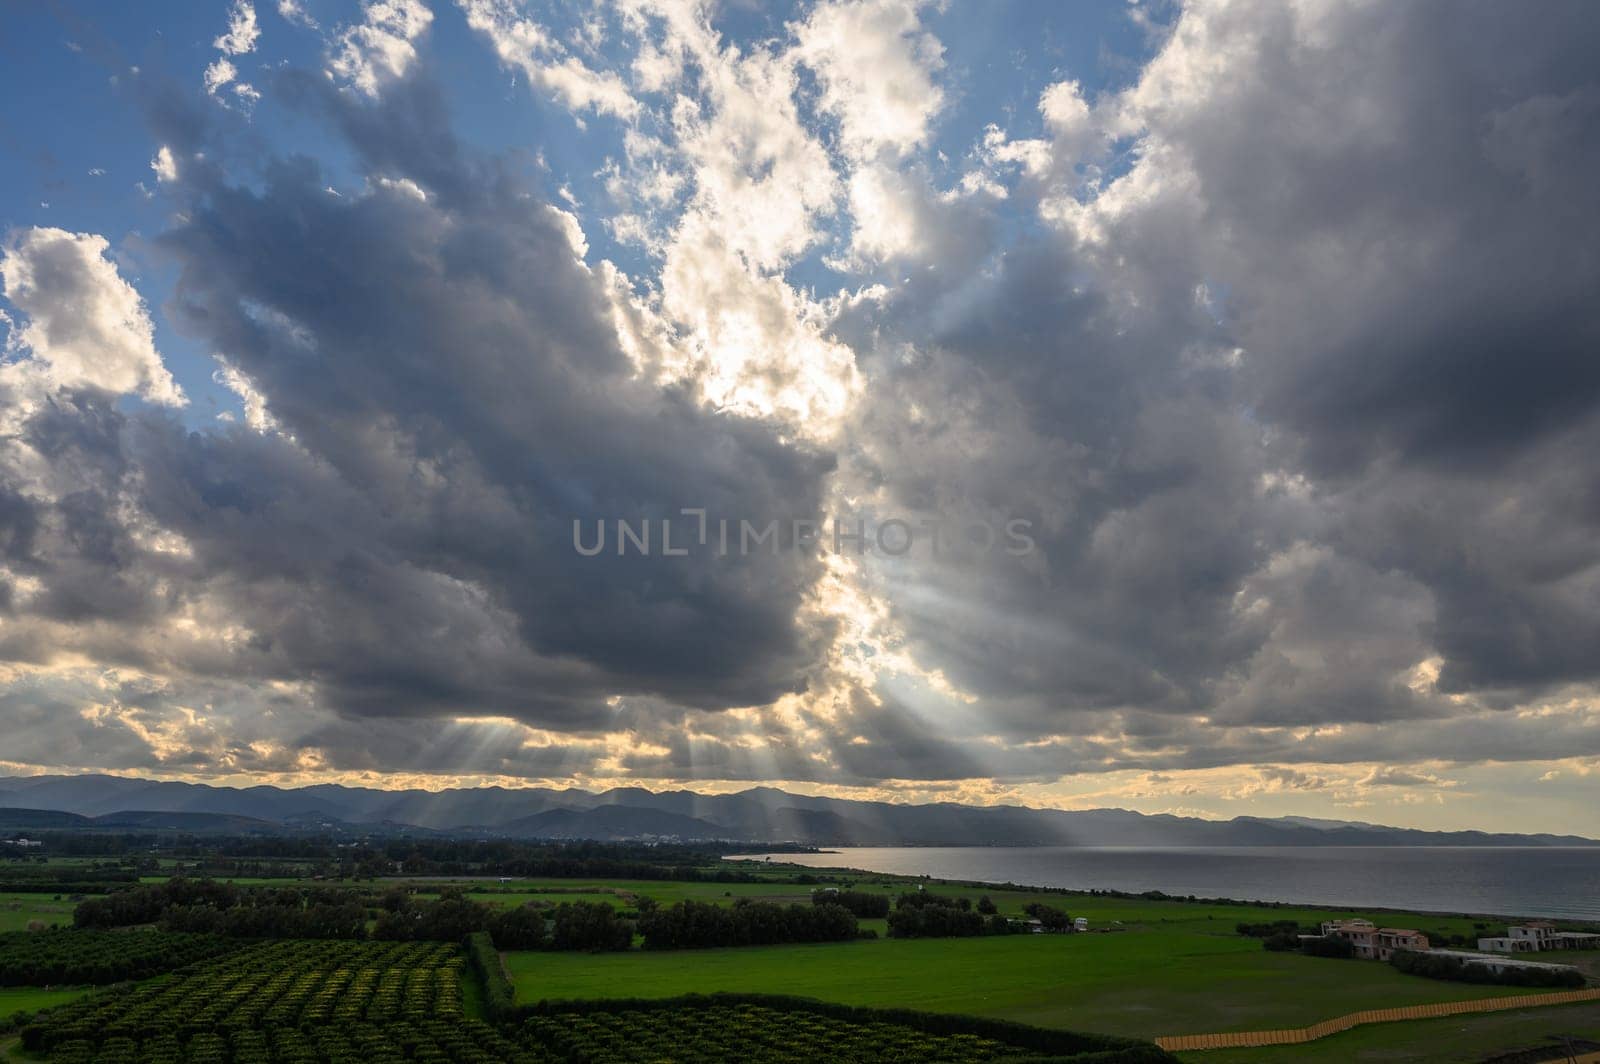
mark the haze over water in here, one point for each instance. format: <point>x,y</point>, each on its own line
<point>1511,881</point>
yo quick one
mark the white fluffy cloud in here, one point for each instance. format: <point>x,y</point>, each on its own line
<point>382,47</point>
<point>242,30</point>
<point>292,11</point>
<point>164,164</point>
<point>877,67</point>
<point>240,39</point>
<point>84,326</point>
<point>523,44</point>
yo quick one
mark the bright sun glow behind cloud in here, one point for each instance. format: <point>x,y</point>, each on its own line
<point>296,430</point>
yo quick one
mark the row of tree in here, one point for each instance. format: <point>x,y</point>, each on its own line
<point>580,926</point>
<point>924,914</point>
<point>340,920</point>
<point>698,925</point>
<point>862,904</point>
<point>152,902</point>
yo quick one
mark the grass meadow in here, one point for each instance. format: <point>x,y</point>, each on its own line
<point>14,999</point>
<point>1173,968</point>
<point>17,910</point>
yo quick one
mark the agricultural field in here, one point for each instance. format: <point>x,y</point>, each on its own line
<point>279,986</point>
<point>757,1031</point>
<point>1150,966</point>
<point>750,1032</point>
<point>45,958</point>
<point>302,1002</point>
<point>458,1042</point>
<point>286,983</point>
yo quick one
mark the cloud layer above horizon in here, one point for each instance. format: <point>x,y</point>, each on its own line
<point>1281,333</point>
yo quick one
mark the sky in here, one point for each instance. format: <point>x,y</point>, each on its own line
<point>1188,408</point>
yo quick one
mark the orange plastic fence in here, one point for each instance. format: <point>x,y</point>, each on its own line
<point>1251,1039</point>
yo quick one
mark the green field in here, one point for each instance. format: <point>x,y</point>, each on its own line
<point>18,910</point>
<point>1169,980</point>
<point>1161,967</point>
<point>15,999</point>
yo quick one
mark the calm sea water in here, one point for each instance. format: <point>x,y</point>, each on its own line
<point>1507,881</point>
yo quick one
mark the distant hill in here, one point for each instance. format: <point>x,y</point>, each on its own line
<point>207,823</point>
<point>17,820</point>
<point>611,823</point>
<point>759,815</point>
<point>21,820</point>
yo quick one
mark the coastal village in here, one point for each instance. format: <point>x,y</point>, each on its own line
<point>1372,942</point>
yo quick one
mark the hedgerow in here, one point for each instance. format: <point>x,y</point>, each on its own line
<point>498,993</point>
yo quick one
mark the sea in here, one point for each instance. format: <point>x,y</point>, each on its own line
<point>1559,882</point>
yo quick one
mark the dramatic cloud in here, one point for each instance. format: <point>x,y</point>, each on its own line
<point>1282,344</point>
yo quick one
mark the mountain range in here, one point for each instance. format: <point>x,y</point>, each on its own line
<point>760,815</point>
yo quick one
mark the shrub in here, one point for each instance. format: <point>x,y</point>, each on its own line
<point>589,925</point>
<point>923,899</point>
<point>1276,927</point>
<point>523,927</point>
<point>935,921</point>
<point>1327,946</point>
<point>1049,917</point>
<point>864,905</point>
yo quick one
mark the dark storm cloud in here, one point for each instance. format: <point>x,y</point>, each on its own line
<point>1057,406</point>
<point>1413,269</point>
<point>1406,231</point>
<point>1298,388</point>
<point>450,397</point>
<point>1301,400</point>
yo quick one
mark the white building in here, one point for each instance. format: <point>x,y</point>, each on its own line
<point>1498,963</point>
<point>1372,942</point>
<point>1543,935</point>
